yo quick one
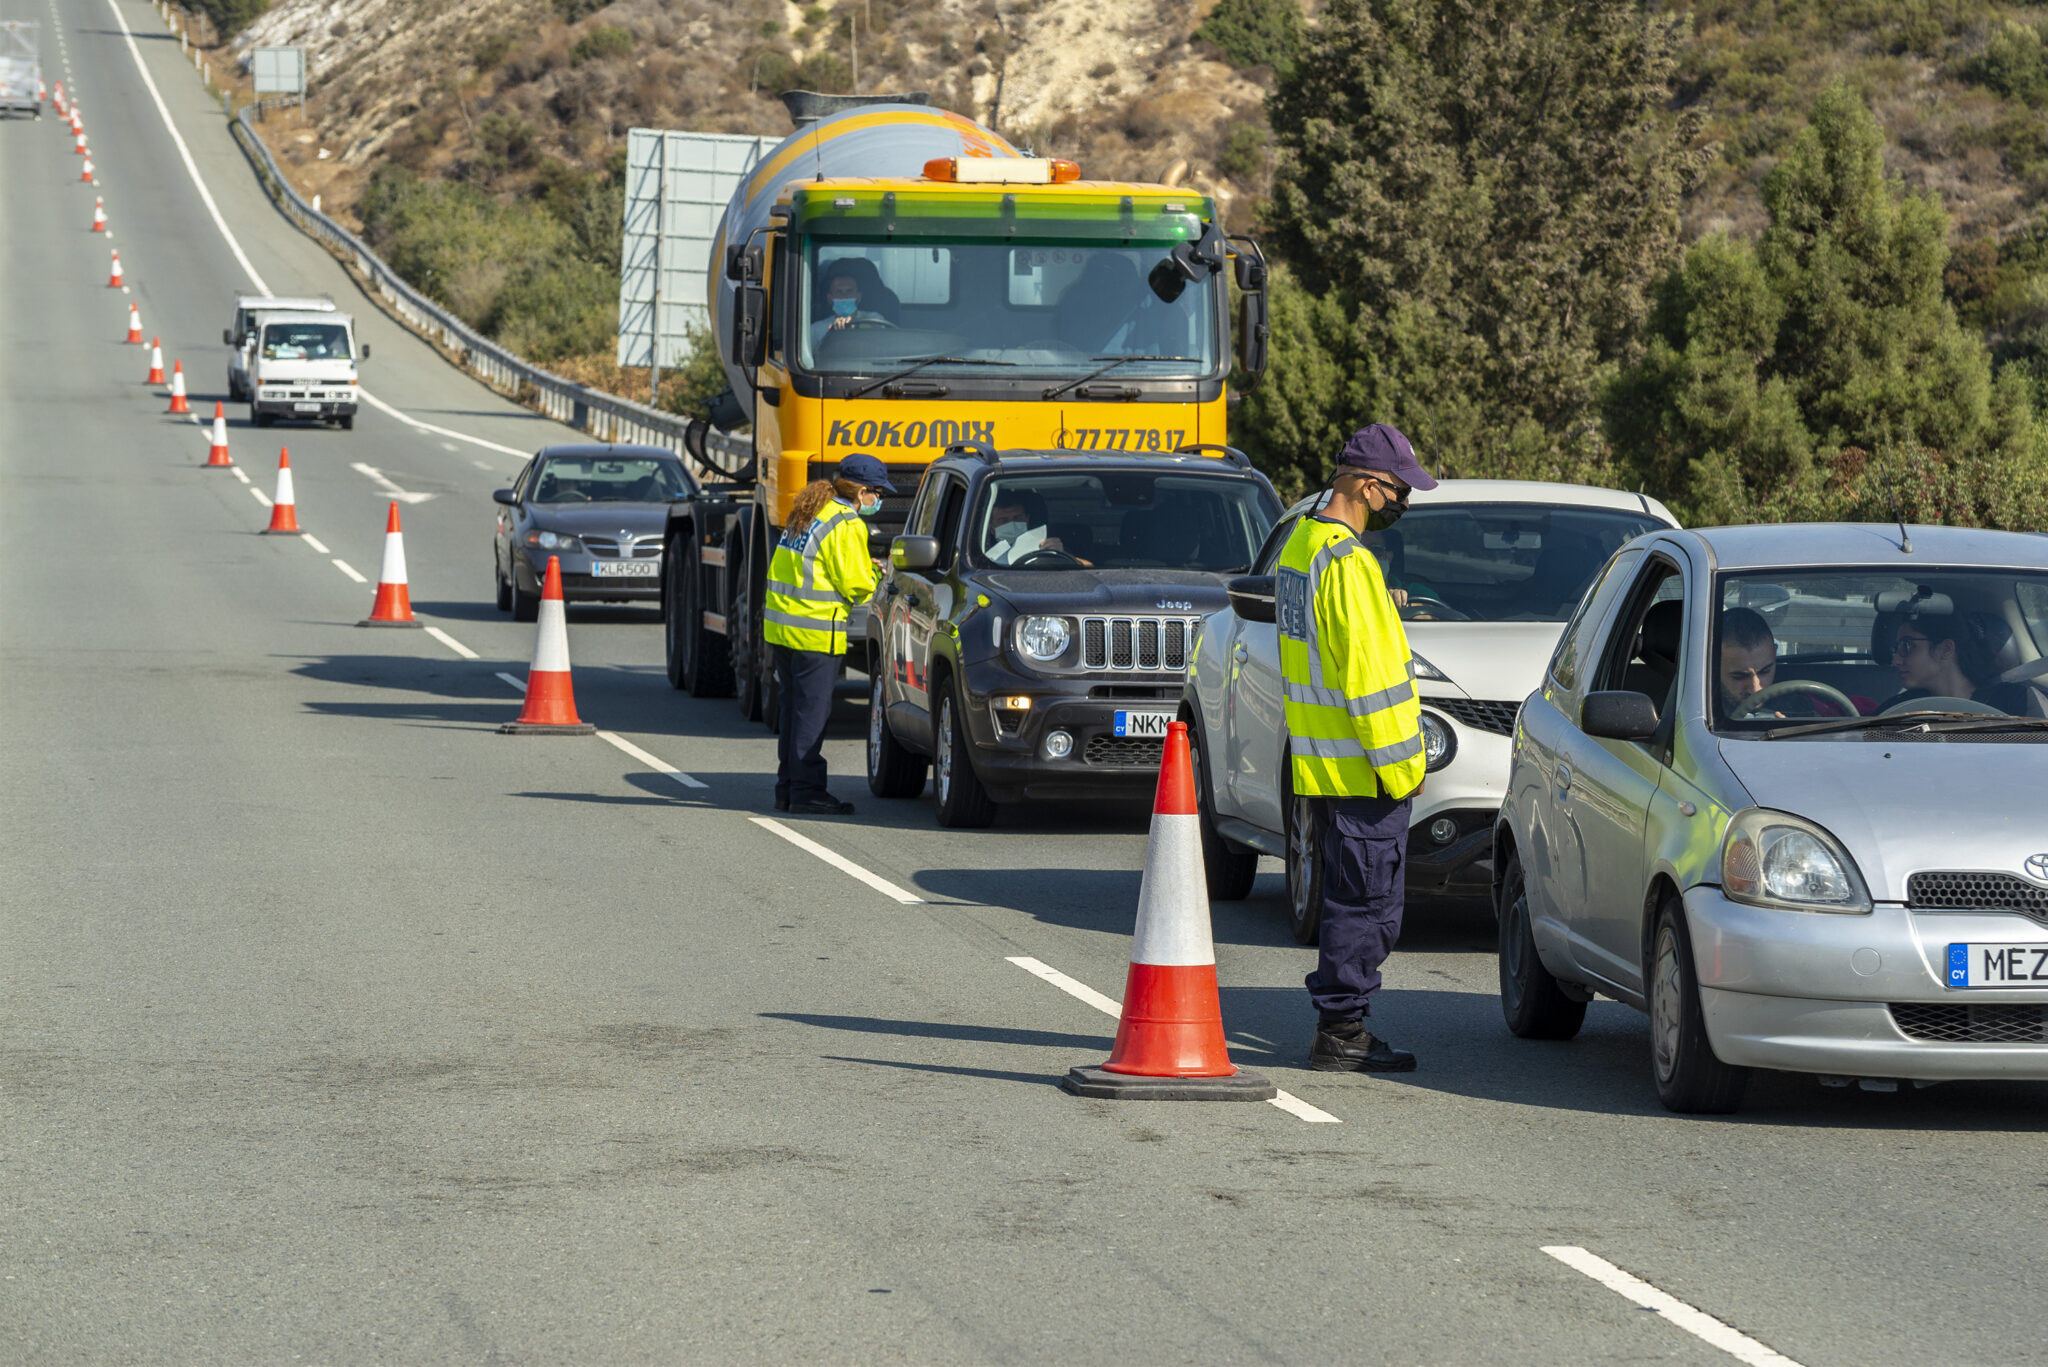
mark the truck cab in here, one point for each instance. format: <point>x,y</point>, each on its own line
<point>303,365</point>
<point>240,334</point>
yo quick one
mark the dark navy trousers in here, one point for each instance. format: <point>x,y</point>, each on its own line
<point>807,678</point>
<point>1364,848</point>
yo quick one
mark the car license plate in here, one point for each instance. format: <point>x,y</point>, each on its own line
<point>1144,724</point>
<point>625,569</point>
<point>1998,965</point>
<point>305,408</point>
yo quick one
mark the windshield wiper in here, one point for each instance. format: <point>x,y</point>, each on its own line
<point>920,365</point>
<point>1114,362</point>
<point>1934,722</point>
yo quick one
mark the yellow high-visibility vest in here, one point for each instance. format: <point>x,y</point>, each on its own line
<point>815,577</point>
<point>1354,727</point>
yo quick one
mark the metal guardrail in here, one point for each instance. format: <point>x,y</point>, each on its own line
<point>606,417</point>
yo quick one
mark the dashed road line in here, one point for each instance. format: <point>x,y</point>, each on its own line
<point>458,647</point>
<point>240,473</point>
<point>314,542</point>
<point>1109,1006</point>
<point>659,766</point>
<point>378,478</point>
<point>349,570</point>
<point>838,861</point>
<point>1698,1323</point>
<point>259,495</point>
<point>516,683</point>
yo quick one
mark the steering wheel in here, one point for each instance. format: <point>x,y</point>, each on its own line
<point>1969,705</point>
<point>1044,550</point>
<point>861,323</point>
<point>1750,704</point>
<point>1435,607</point>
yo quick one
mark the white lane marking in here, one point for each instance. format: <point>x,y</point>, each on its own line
<point>409,420</point>
<point>510,680</point>
<point>481,464</point>
<point>458,647</point>
<point>658,766</point>
<point>377,477</point>
<point>838,861</point>
<point>1698,1323</point>
<point>259,496</point>
<point>239,473</point>
<point>314,542</point>
<point>449,446</point>
<point>349,570</point>
<point>1110,1006</point>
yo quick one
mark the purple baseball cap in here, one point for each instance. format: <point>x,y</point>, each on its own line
<point>1382,447</point>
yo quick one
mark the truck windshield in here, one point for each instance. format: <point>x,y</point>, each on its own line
<point>1055,308</point>
<point>1120,521</point>
<point>305,342</point>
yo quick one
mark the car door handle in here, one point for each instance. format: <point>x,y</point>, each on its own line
<point>913,600</point>
<point>890,590</point>
<point>1564,777</point>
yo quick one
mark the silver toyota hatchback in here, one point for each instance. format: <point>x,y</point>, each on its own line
<point>1785,788</point>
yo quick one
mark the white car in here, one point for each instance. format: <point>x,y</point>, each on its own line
<point>1487,573</point>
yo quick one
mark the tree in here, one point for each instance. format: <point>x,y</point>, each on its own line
<point>1255,32</point>
<point>1486,189</point>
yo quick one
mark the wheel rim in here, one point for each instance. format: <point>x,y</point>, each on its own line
<point>1665,994</point>
<point>875,726</point>
<point>1301,845</point>
<point>943,767</point>
<point>1514,948</point>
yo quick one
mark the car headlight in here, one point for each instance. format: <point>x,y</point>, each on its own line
<point>561,543</point>
<point>1439,743</point>
<point>1425,670</point>
<point>1775,859</point>
<point>1043,638</point>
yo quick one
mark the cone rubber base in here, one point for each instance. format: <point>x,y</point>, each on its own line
<point>294,531</point>
<point>1242,1085</point>
<point>527,728</point>
<point>373,622</point>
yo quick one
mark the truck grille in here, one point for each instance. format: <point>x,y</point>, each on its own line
<point>1954,1023</point>
<point>1971,891</point>
<point>1497,717</point>
<point>1120,752</point>
<point>1137,643</point>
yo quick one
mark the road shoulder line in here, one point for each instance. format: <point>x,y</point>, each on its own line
<point>837,861</point>
<point>1696,1322</point>
<point>612,738</point>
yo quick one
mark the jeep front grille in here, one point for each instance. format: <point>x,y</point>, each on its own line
<point>1141,644</point>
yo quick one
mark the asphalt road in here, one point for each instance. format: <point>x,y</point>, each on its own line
<point>337,1027</point>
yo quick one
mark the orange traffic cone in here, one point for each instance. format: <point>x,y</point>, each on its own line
<point>114,280</point>
<point>393,607</point>
<point>1169,1040</point>
<point>156,361</point>
<point>134,337</point>
<point>99,215</point>
<point>78,143</point>
<point>217,454</point>
<point>550,703</point>
<point>58,98</point>
<point>178,403</point>
<point>284,515</point>
<point>85,172</point>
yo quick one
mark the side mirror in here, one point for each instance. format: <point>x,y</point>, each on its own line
<point>914,552</point>
<point>1253,328</point>
<point>1618,715</point>
<point>228,335</point>
<point>735,261</point>
<point>508,497</point>
<point>1189,261</point>
<point>366,351</point>
<point>1251,597</point>
<point>750,326</point>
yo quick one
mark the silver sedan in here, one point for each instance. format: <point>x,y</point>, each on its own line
<point>1783,789</point>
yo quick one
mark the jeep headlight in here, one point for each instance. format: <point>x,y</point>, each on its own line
<point>1043,638</point>
<point>1775,859</point>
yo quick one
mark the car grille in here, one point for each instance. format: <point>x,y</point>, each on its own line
<point>608,546</point>
<point>1497,717</point>
<point>1119,752</point>
<point>1954,1023</point>
<point>1971,891</point>
<point>1137,643</point>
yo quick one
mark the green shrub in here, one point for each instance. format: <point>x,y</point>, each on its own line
<point>1255,32</point>
<point>1244,151</point>
<point>507,142</point>
<point>572,10</point>
<point>492,51</point>
<point>231,16</point>
<point>606,40</point>
<point>826,73</point>
<point>2013,64</point>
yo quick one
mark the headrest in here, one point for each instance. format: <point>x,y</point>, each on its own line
<point>1662,625</point>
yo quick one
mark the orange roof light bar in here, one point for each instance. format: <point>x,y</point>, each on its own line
<point>1001,170</point>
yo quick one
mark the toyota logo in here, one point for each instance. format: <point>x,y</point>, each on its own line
<point>2037,867</point>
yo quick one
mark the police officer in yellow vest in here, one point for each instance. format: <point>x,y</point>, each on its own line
<point>1354,735</point>
<point>820,571</point>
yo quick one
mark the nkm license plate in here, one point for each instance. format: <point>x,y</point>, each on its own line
<point>1142,724</point>
<point>625,569</point>
<point>2000,965</point>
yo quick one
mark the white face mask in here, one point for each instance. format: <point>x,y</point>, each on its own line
<point>1010,531</point>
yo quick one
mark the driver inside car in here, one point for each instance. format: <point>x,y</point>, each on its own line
<point>1748,665</point>
<point>1017,531</point>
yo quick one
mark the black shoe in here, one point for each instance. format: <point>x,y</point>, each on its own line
<point>1360,1053</point>
<point>781,804</point>
<point>820,806</point>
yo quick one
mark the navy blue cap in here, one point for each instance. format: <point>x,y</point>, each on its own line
<point>865,469</point>
<point>1382,447</point>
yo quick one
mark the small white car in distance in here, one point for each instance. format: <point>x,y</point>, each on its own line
<point>1486,573</point>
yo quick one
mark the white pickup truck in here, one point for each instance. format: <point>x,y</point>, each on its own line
<point>241,335</point>
<point>302,364</point>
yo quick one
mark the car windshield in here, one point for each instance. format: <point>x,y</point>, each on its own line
<point>1124,520</point>
<point>1498,562</point>
<point>596,479</point>
<point>305,342</point>
<point>1046,306</point>
<point>1821,653</point>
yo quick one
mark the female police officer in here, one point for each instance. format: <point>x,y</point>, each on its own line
<point>821,569</point>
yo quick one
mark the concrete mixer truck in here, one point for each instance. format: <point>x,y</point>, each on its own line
<point>998,302</point>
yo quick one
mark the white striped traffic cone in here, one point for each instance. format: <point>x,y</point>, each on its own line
<point>134,337</point>
<point>156,361</point>
<point>393,607</point>
<point>550,702</point>
<point>114,280</point>
<point>78,143</point>
<point>85,172</point>
<point>179,404</point>
<point>99,215</point>
<point>217,454</point>
<point>1169,1039</point>
<point>284,513</point>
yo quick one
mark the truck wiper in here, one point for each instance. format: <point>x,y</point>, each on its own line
<point>920,365</point>
<point>1114,362</point>
<point>1934,722</point>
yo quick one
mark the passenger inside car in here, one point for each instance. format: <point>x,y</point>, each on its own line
<point>1955,655</point>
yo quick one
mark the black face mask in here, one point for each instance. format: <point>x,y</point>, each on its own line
<point>1387,516</point>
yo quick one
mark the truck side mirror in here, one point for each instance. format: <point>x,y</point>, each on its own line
<point>1251,597</point>
<point>366,351</point>
<point>228,335</point>
<point>1618,714</point>
<point>914,552</point>
<point>1254,326</point>
<point>750,326</point>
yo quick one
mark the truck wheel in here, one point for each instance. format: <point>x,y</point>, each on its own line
<point>1689,1077</point>
<point>260,418</point>
<point>1304,868</point>
<point>893,771</point>
<point>963,802</point>
<point>1231,869</point>
<point>525,606</point>
<point>699,659</point>
<point>747,652</point>
<point>1530,999</point>
<point>347,422</point>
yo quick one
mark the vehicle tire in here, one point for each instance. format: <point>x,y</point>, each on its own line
<point>1689,1077</point>
<point>504,589</point>
<point>347,422</point>
<point>699,659</point>
<point>748,652</point>
<point>1304,868</point>
<point>1531,1000</point>
<point>259,418</point>
<point>1229,868</point>
<point>963,803</point>
<point>525,606</point>
<point>893,770</point>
